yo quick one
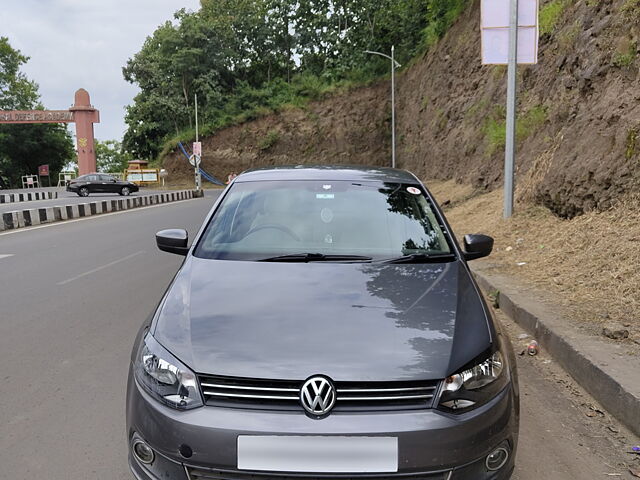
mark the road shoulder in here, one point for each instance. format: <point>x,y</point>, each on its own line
<point>605,369</point>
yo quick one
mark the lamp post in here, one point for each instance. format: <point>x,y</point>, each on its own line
<point>394,65</point>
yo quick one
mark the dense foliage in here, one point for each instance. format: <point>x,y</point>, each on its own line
<point>110,158</point>
<point>24,147</point>
<point>246,57</point>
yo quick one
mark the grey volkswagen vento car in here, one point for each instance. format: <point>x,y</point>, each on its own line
<point>324,325</point>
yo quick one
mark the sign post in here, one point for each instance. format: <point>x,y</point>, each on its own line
<point>197,151</point>
<point>512,78</point>
<point>43,171</point>
<point>510,36</point>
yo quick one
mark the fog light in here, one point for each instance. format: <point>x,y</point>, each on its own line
<point>143,452</point>
<point>496,459</point>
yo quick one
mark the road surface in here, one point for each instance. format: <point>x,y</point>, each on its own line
<point>75,293</point>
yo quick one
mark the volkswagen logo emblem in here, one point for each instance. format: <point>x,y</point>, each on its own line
<point>318,396</point>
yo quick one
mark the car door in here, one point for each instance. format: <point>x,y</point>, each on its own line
<point>109,184</point>
<point>93,183</point>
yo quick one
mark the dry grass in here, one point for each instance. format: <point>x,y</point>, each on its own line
<point>450,193</point>
<point>592,262</point>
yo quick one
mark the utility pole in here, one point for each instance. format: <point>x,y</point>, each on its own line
<point>510,146</point>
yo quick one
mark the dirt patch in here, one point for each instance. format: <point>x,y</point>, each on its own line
<point>578,118</point>
<point>343,130</point>
<point>590,262</point>
<point>451,193</point>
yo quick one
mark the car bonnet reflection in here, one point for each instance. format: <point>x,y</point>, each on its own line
<point>348,321</point>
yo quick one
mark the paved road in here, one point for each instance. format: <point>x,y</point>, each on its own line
<point>74,294</point>
<point>68,198</point>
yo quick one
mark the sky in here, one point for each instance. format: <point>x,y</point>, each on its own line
<point>76,44</point>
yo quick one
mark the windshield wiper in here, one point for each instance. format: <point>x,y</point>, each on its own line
<point>316,257</point>
<point>422,258</point>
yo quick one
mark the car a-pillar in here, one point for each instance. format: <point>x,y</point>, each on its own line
<point>85,115</point>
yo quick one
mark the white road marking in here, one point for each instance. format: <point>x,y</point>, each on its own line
<point>5,256</point>
<point>92,217</point>
<point>97,269</point>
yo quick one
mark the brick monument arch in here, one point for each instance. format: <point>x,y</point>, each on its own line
<point>82,113</point>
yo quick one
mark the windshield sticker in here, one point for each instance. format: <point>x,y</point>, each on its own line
<point>414,190</point>
<point>325,196</point>
<point>326,215</point>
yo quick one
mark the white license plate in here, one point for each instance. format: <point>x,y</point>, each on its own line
<point>318,454</point>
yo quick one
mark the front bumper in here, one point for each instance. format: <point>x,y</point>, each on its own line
<point>432,445</point>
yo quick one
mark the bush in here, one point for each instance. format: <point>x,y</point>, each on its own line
<point>625,58</point>
<point>550,14</point>
<point>440,16</point>
<point>495,128</point>
<point>269,140</point>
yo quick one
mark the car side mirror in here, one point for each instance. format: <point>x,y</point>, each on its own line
<point>477,246</point>
<point>173,241</point>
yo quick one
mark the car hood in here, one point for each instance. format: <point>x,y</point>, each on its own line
<point>351,322</point>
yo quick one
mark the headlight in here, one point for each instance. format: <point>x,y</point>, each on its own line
<point>165,377</point>
<point>475,386</point>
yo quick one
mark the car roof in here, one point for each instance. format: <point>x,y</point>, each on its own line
<point>327,173</point>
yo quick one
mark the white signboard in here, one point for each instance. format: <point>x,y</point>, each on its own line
<point>495,31</point>
<point>197,148</point>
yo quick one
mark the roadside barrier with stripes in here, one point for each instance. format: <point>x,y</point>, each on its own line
<point>27,196</point>
<point>39,216</point>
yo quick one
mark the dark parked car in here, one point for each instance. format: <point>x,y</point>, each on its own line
<point>324,325</point>
<point>100,183</point>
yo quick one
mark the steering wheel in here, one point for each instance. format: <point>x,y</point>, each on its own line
<point>274,226</point>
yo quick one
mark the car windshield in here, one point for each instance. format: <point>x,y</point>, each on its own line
<point>266,219</point>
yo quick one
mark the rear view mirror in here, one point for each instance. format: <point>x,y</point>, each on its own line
<point>477,246</point>
<point>173,241</point>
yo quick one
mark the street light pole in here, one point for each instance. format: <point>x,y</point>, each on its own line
<point>393,107</point>
<point>394,65</point>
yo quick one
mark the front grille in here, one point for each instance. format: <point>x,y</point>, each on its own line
<point>284,394</point>
<point>202,474</point>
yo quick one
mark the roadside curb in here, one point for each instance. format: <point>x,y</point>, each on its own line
<point>40,216</point>
<point>598,366</point>
<point>27,196</point>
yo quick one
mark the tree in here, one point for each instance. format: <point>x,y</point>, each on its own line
<point>244,56</point>
<point>16,91</point>
<point>24,147</point>
<point>110,157</point>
